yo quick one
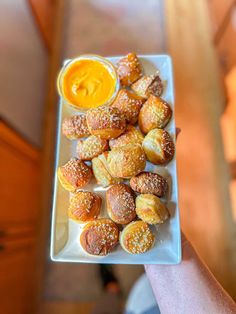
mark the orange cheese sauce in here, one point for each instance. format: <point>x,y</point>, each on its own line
<point>88,84</point>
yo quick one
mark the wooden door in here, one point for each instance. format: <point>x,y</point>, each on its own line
<point>19,190</point>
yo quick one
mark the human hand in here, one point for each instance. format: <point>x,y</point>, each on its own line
<point>188,287</point>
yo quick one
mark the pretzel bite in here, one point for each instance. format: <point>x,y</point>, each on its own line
<point>74,174</point>
<point>101,171</point>
<point>129,105</point>
<point>120,203</point>
<point>148,85</point>
<point>159,146</point>
<point>99,237</point>
<point>105,122</point>
<point>150,209</point>
<point>131,136</point>
<point>75,127</point>
<point>129,69</point>
<point>84,206</point>
<point>155,113</point>
<point>149,183</point>
<point>137,238</point>
<point>91,147</point>
<point>126,161</point>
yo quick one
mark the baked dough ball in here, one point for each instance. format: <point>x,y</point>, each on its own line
<point>126,161</point>
<point>101,171</point>
<point>149,183</point>
<point>99,237</point>
<point>129,69</point>
<point>84,206</point>
<point>159,146</point>
<point>155,113</point>
<point>150,209</point>
<point>91,147</point>
<point>75,127</point>
<point>129,105</point>
<point>131,136</point>
<point>137,238</point>
<point>120,203</point>
<point>148,85</point>
<point>74,175</point>
<point>105,122</point>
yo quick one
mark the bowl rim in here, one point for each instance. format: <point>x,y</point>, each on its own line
<point>107,63</point>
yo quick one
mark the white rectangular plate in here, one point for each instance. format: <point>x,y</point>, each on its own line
<point>65,245</point>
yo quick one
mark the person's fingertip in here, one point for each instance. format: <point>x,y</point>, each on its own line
<point>178,131</point>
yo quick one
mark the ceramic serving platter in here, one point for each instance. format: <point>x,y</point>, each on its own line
<point>65,233</point>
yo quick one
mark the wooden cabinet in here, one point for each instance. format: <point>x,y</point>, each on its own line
<point>16,268</point>
<point>19,190</point>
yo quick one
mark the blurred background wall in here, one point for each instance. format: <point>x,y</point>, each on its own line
<point>24,62</point>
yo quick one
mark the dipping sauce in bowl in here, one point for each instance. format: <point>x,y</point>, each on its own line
<point>88,81</point>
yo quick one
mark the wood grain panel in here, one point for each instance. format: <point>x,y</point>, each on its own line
<point>19,218</point>
<point>19,168</point>
<point>16,284</point>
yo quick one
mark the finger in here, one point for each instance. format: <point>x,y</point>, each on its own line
<point>177,132</point>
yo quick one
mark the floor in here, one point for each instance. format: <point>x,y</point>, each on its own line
<point>112,27</point>
<point>72,282</point>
